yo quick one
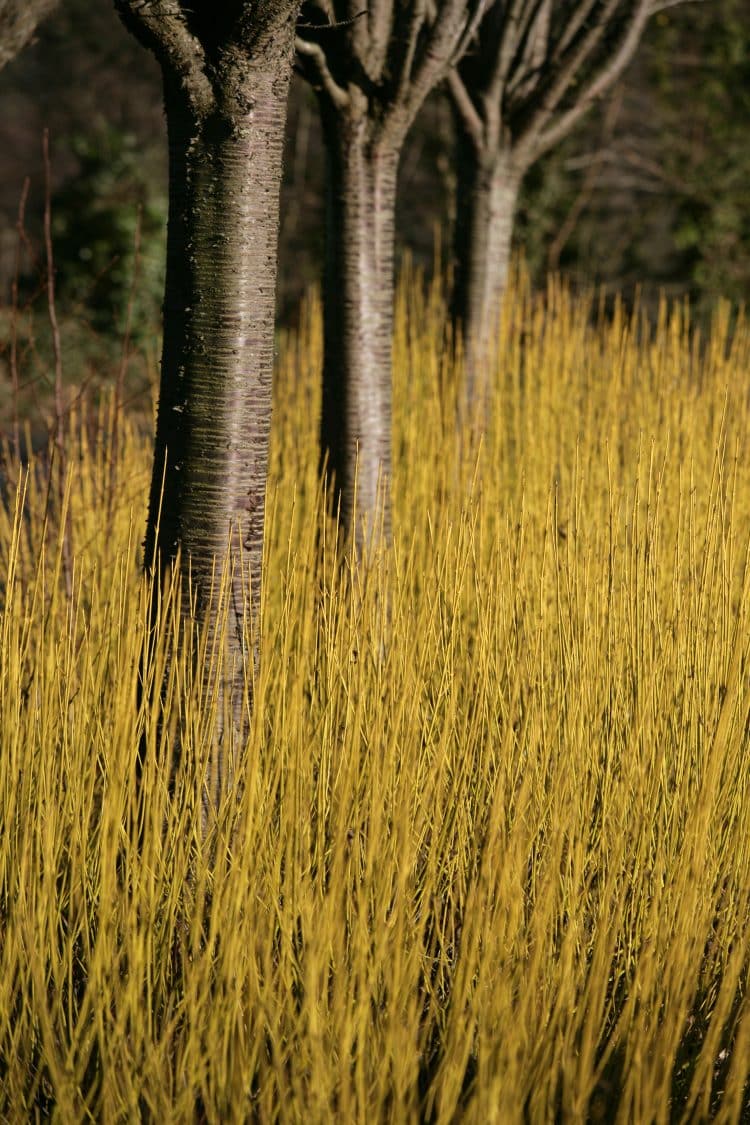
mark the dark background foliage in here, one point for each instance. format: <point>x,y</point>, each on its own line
<point>651,192</point>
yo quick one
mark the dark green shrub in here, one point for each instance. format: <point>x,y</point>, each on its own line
<point>95,220</point>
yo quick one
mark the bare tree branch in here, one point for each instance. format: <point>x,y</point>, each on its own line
<point>328,19</point>
<point>358,27</point>
<point>318,72</point>
<point>18,22</point>
<point>452,22</point>
<point>407,46</point>
<point>580,51</point>
<point>380,21</point>
<point>474,17</point>
<point>465,107</point>
<point>575,23</point>
<point>539,37</point>
<point>546,138</point>
<point>161,26</point>
<point>532,57</point>
<point>515,28</point>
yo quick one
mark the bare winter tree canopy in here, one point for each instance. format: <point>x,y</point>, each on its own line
<point>533,70</point>
<point>372,66</point>
<point>18,22</point>
<point>226,71</point>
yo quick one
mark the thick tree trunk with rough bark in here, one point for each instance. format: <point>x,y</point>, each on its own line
<point>18,22</point>
<point>211,456</point>
<point>488,193</point>
<point>358,314</point>
<point>226,72</point>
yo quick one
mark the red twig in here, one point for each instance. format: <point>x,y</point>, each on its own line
<point>56,344</point>
<point>21,229</point>
<point>123,369</point>
<point>57,353</point>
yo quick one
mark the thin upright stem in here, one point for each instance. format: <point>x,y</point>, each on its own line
<point>57,355</point>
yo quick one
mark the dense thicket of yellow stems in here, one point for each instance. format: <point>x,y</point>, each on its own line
<point>491,853</point>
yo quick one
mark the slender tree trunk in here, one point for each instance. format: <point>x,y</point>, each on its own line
<point>372,70</point>
<point>487,190</point>
<point>209,478</point>
<point>358,316</point>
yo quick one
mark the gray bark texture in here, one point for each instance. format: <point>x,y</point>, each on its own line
<point>487,195</point>
<point>358,322</point>
<point>372,66</point>
<point>18,22</point>
<point>533,70</point>
<point>226,81</point>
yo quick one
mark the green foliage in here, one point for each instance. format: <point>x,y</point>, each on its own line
<point>490,855</point>
<point>97,217</point>
<point>656,180</point>
<point>704,63</point>
<point>547,193</point>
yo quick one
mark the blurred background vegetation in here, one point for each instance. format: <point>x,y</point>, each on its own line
<point>651,194</point>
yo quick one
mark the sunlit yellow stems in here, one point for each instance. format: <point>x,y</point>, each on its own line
<point>503,871</point>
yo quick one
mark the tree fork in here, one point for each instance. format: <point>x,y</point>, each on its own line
<point>535,69</point>
<point>372,74</point>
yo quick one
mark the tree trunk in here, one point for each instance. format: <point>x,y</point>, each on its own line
<point>358,319</point>
<point>210,464</point>
<point>487,194</point>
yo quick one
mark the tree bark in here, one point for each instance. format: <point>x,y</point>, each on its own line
<point>533,71</point>
<point>358,317</point>
<point>208,487</point>
<point>372,68</point>
<point>18,22</point>
<point>487,191</point>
